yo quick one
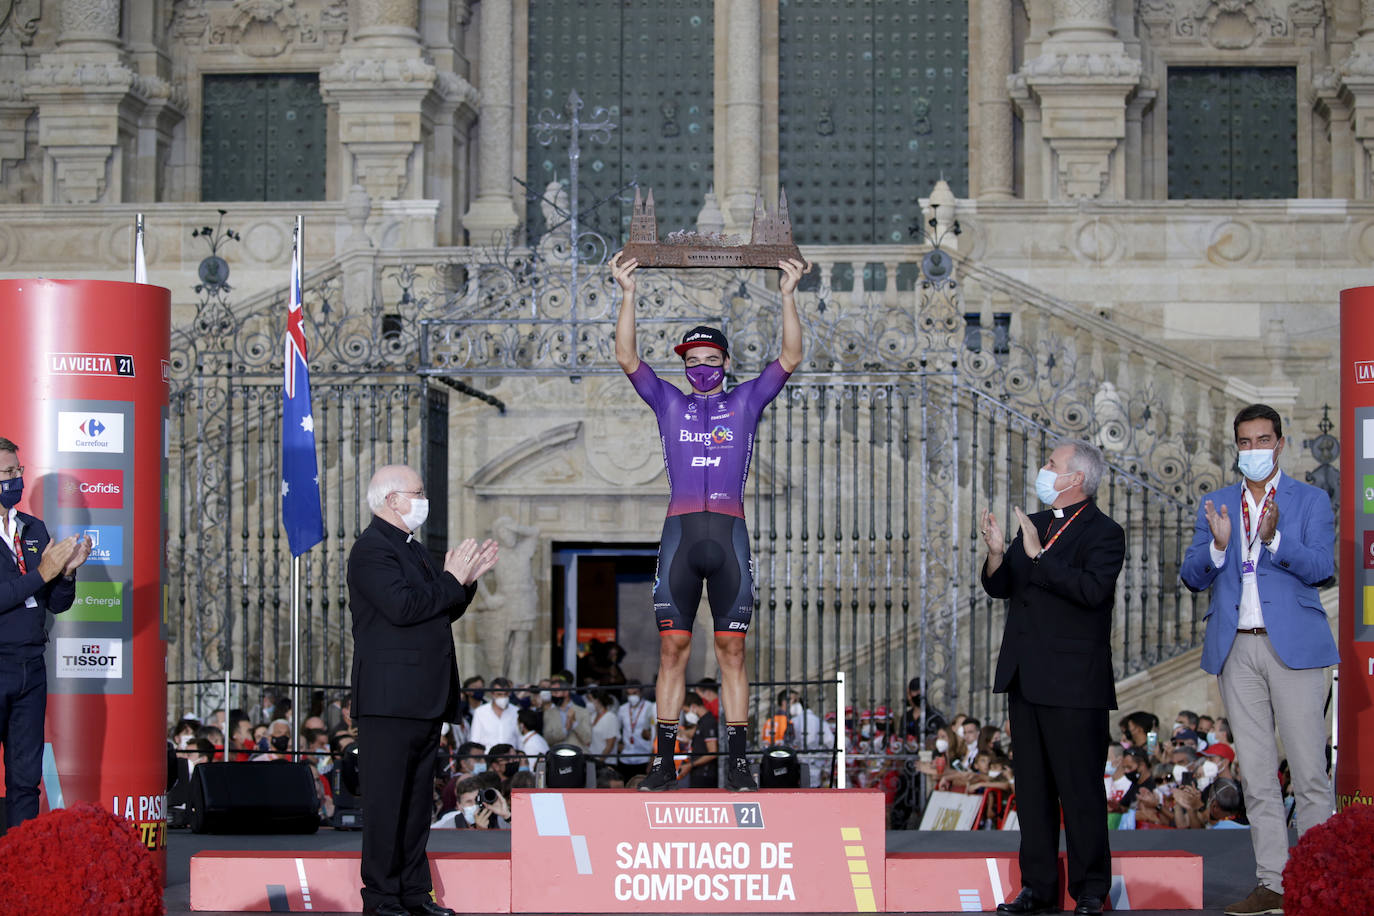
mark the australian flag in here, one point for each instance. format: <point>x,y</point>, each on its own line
<point>300,485</point>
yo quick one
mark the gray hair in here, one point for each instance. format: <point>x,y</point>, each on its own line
<point>8,446</point>
<point>1088,459</point>
<point>386,481</point>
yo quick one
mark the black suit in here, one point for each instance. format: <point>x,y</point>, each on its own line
<point>405,685</point>
<point>23,673</point>
<point>1056,665</point>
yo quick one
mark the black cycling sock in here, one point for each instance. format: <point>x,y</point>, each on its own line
<point>734,739</point>
<point>667,741</point>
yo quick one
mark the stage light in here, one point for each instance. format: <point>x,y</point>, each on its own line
<point>349,772</point>
<point>565,767</point>
<point>780,769</point>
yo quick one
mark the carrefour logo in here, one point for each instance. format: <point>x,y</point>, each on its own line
<point>90,432</point>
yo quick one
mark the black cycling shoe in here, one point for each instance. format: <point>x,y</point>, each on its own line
<point>738,778</point>
<point>661,778</point>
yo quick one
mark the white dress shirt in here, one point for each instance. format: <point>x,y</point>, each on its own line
<point>16,533</point>
<point>1251,611</point>
<point>492,726</point>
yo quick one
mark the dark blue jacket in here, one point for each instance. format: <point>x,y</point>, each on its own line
<point>22,630</point>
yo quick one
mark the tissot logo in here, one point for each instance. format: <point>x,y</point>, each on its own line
<point>116,364</point>
<point>90,488</point>
<point>100,658</point>
<point>1364,371</point>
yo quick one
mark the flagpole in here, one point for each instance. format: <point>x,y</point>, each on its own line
<point>297,259</point>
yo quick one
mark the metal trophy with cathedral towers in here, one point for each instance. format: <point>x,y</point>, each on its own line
<point>770,240</point>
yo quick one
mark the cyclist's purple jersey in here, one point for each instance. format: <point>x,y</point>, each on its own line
<point>708,440</point>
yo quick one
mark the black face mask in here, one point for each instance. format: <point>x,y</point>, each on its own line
<point>11,491</point>
<point>281,742</point>
<point>477,695</point>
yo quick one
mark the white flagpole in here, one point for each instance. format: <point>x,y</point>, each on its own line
<point>295,560</point>
<point>140,261</point>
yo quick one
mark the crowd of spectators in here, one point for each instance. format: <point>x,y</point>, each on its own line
<point>1184,776</point>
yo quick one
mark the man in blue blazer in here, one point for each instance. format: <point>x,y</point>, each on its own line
<point>36,576</point>
<point>1263,546</point>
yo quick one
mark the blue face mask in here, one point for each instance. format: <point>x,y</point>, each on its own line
<point>1044,486</point>
<point>477,694</point>
<point>479,767</point>
<point>1256,463</point>
<point>11,491</point>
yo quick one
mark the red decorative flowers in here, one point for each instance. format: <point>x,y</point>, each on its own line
<point>1329,871</point>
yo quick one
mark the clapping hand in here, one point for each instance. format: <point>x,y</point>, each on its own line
<point>1269,523</point>
<point>468,562</point>
<point>58,554</point>
<point>992,534</point>
<point>1030,538</point>
<point>79,556</point>
<point>1220,523</point>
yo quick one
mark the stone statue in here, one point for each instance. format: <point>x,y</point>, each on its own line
<point>504,632</point>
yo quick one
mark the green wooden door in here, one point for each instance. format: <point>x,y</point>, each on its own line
<point>262,137</point>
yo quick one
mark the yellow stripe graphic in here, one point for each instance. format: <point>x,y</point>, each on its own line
<point>864,900</point>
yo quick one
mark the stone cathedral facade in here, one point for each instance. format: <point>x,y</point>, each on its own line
<point>1175,191</point>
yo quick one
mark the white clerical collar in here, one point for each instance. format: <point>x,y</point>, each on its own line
<point>1058,513</point>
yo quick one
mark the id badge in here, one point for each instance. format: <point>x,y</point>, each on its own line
<point>1247,568</point>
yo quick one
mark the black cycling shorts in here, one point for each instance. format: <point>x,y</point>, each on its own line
<point>704,547</point>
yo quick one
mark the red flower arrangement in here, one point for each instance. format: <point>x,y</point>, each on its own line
<point>79,860</point>
<point>1328,872</point>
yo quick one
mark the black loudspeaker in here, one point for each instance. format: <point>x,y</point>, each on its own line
<point>262,797</point>
<point>779,769</point>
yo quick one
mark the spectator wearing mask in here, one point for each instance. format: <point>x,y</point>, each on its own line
<point>493,722</point>
<point>1136,728</point>
<point>336,714</point>
<point>605,725</point>
<point>267,708</point>
<point>531,743</point>
<point>504,761</point>
<point>1226,809</point>
<point>636,716</point>
<point>1224,756</point>
<point>709,691</point>
<point>212,734</point>
<point>701,737</point>
<point>914,720</point>
<point>469,760</point>
<point>277,743</point>
<point>564,721</point>
<point>241,737</point>
<point>473,813</point>
<point>1206,726</point>
<point>971,730</point>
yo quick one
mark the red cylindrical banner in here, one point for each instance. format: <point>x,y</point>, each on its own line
<point>86,402</point>
<point>1355,702</point>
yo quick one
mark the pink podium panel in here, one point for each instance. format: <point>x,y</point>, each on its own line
<point>698,851</point>
<point>329,882</point>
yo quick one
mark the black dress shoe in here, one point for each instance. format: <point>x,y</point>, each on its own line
<point>1026,904</point>
<point>1088,905</point>
<point>430,908</point>
<point>386,909</point>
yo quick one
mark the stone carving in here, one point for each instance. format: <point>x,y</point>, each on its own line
<point>19,22</point>
<point>1095,11</point>
<point>90,17</point>
<point>407,71</point>
<point>1077,66</point>
<point>1231,25</point>
<point>513,609</point>
<point>263,28</point>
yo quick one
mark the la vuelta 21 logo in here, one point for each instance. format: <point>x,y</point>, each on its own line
<point>149,816</point>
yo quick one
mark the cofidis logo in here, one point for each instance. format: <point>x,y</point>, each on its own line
<point>79,431</point>
<point>90,488</point>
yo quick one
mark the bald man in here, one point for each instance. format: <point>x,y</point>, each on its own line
<point>405,683</point>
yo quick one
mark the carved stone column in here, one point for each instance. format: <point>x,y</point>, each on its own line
<point>18,178</point>
<point>1350,96</point>
<point>388,98</point>
<point>493,211</point>
<point>89,105</point>
<point>1080,83</point>
<point>995,180</point>
<point>743,114</point>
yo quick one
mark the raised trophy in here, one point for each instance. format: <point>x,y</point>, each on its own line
<point>770,240</point>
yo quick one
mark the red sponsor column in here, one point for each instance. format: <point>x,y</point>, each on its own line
<point>86,402</point>
<point>1355,724</point>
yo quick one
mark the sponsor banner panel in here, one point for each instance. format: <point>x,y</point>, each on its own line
<point>1355,563</point>
<point>88,356</point>
<point>700,851</point>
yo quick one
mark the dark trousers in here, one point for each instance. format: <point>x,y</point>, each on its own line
<point>23,700</point>
<point>396,769</point>
<point>1059,754</point>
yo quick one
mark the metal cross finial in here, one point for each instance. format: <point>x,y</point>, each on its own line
<point>598,130</point>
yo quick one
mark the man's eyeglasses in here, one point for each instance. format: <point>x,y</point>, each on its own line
<point>11,472</point>
<point>419,494</point>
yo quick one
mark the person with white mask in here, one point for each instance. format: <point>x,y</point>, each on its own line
<point>494,722</point>
<point>1059,576</point>
<point>637,716</point>
<point>1262,547</point>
